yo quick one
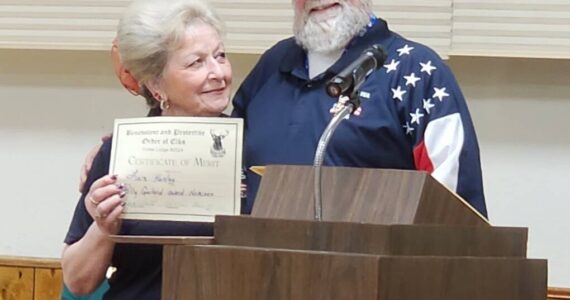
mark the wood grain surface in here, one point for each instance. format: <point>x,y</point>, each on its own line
<point>16,283</point>
<point>48,284</point>
<point>556,293</point>
<point>438,240</point>
<point>30,278</point>
<point>376,196</point>
<point>239,273</point>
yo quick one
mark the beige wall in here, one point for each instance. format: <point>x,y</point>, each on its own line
<point>56,104</point>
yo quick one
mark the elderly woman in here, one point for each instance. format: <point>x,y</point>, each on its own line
<point>174,51</point>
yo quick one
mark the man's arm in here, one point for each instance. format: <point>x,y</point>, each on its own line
<point>446,144</point>
<point>434,117</point>
<point>88,163</point>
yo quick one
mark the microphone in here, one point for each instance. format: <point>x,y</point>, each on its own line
<point>346,84</point>
<point>350,79</point>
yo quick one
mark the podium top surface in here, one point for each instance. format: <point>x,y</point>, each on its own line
<point>376,196</point>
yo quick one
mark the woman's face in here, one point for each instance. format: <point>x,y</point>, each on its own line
<point>197,77</point>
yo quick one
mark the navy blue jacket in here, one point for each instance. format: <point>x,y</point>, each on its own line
<point>414,115</point>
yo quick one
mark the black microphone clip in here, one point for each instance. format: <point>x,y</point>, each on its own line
<point>348,81</point>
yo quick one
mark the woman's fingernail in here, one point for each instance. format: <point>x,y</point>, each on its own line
<point>114,177</point>
<point>121,186</point>
<point>122,194</point>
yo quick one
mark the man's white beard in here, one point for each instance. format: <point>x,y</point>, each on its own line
<point>331,34</point>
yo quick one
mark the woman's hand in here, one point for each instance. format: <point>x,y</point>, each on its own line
<point>105,203</point>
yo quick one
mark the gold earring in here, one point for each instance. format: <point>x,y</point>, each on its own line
<point>164,105</point>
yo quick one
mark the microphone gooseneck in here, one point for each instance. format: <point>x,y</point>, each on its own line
<point>346,87</point>
<point>320,154</point>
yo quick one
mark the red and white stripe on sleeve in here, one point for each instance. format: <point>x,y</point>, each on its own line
<point>440,149</point>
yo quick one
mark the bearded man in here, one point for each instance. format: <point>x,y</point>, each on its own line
<point>413,117</point>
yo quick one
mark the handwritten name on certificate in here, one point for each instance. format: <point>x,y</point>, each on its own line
<point>178,168</point>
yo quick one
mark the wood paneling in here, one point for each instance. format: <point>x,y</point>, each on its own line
<point>23,278</point>
<point>48,284</point>
<point>555,293</point>
<point>16,283</point>
<point>33,262</point>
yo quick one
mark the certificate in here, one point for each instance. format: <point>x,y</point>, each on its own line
<point>178,168</point>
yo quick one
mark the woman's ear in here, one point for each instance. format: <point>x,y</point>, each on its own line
<point>155,89</point>
<point>124,75</point>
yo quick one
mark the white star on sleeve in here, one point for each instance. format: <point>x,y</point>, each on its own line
<point>428,105</point>
<point>417,116</point>
<point>440,93</point>
<point>409,129</point>
<point>405,50</point>
<point>427,67</point>
<point>393,66</point>
<point>398,94</point>
<point>412,79</point>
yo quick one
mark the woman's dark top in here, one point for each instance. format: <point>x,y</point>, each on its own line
<point>139,267</point>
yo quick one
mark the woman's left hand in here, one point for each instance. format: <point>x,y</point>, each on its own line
<point>105,202</point>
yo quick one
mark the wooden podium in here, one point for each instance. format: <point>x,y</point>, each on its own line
<point>385,235</point>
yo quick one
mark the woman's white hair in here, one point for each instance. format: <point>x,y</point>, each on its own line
<point>150,29</point>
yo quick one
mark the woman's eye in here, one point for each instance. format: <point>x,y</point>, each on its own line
<point>195,63</point>
<point>221,56</point>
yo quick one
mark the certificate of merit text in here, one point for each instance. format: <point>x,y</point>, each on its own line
<point>178,168</point>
